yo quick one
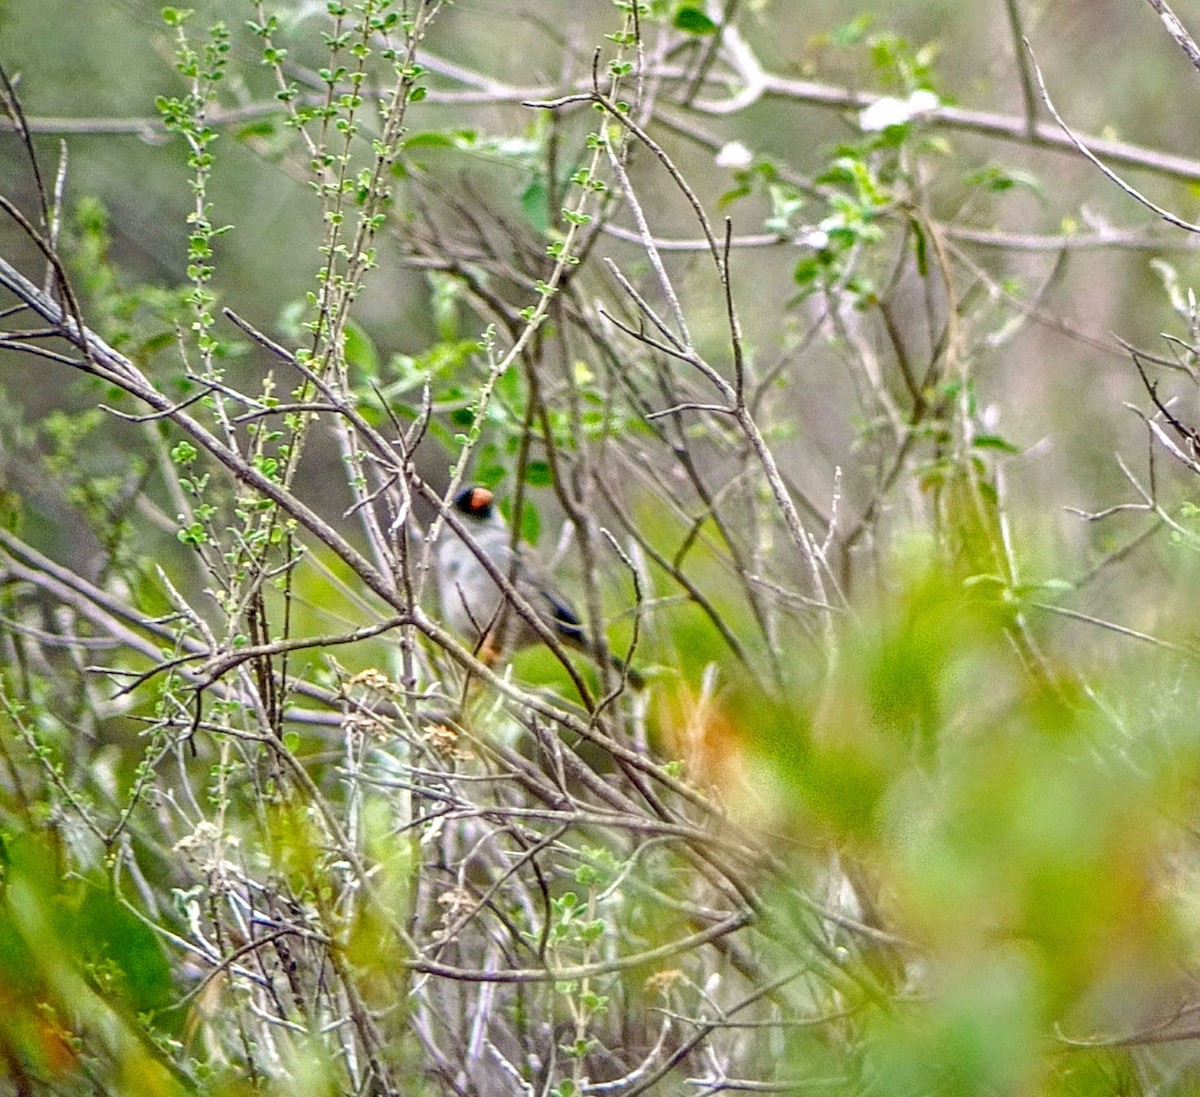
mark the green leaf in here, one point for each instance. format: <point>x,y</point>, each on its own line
<point>692,20</point>
<point>531,523</point>
<point>263,128</point>
<point>808,270</point>
<point>920,246</point>
<point>994,441</point>
<point>360,350</point>
<point>533,202</point>
<point>731,196</point>
<point>1056,586</point>
<point>850,34</point>
<point>997,180</point>
<point>429,139</point>
<point>107,934</point>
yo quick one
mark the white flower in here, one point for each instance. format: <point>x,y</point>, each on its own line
<point>890,111</point>
<point>884,112</point>
<point>734,155</point>
<point>922,101</point>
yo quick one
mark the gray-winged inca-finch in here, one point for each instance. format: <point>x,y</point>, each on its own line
<point>472,601</point>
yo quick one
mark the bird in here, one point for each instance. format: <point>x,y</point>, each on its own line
<point>473,604</point>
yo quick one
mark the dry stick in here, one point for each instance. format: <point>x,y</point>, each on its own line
<point>53,261</point>
<point>563,262</point>
<point>1133,193</point>
<point>1028,95</point>
<point>705,1028</point>
<point>994,124</point>
<point>581,511</point>
<point>582,971</point>
<point>111,606</point>
<point>1107,343</point>
<point>677,574</point>
<point>1107,239</point>
<point>644,409</point>
<point>380,447</point>
<point>681,338</point>
<point>563,718</point>
<point>1121,630</point>
<point>715,42</point>
<point>12,106</point>
<point>988,123</point>
<point>217,665</point>
<point>56,211</point>
<point>733,393</point>
<point>709,499</point>
<point>1176,30</point>
<point>119,370</point>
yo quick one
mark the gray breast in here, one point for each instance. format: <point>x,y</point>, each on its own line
<point>470,598</point>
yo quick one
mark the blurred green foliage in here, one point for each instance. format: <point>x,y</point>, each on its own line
<point>918,835</point>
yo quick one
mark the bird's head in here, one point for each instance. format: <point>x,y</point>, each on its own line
<point>476,503</point>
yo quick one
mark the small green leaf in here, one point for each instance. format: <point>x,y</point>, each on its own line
<point>920,246</point>
<point>994,441</point>
<point>1056,586</point>
<point>997,180</point>
<point>429,140</point>
<point>850,34</point>
<point>263,128</point>
<point>808,270</point>
<point>692,20</point>
<point>533,202</point>
<point>531,523</point>
<point>360,350</point>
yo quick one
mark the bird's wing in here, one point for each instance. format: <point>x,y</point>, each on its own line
<point>564,619</point>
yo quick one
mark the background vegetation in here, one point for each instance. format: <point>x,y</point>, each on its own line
<point>841,360</point>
